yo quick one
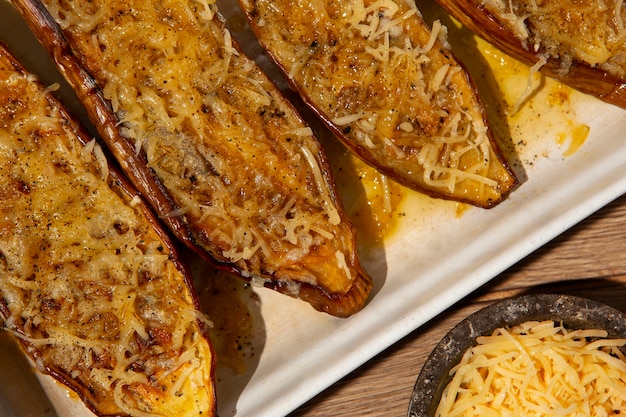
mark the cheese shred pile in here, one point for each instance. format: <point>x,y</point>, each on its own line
<point>538,369</point>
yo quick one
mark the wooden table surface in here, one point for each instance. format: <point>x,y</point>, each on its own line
<point>589,260</point>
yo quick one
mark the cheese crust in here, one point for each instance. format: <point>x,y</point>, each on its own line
<point>390,87</point>
<point>204,134</point>
<point>89,283</point>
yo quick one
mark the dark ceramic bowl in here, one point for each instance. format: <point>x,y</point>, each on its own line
<point>574,312</point>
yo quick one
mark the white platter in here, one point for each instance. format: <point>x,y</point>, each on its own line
<point>439,253</point>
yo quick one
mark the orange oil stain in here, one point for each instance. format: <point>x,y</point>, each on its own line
<point>574,138</point>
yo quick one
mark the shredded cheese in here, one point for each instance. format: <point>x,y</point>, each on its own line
<point>538,369</point>
<point>229,149</point>
<point>531,86</point>
<point>386,82</point>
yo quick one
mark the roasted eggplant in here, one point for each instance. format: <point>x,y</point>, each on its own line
<point>90,283</point>
<point>580,43</point>
<point>223,158</point>
<point>390,88</point>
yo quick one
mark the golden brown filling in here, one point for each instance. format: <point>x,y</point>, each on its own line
<point>391,87</point>
<point>242,167</point>
<point>591,32</point>
<point>86,283</point>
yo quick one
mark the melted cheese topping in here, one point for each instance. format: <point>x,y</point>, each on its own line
<point>390,85</point>
<point>539,369</point>
<point>587,31</point>
<point>89,285</point>
<point>243,169</point>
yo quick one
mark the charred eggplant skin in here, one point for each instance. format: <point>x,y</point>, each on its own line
<point>391,90</point>
<point>38,129</point>
<point>580,76</point>
<point>251,171</point>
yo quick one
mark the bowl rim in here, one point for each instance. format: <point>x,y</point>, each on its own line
<point>573,311</point>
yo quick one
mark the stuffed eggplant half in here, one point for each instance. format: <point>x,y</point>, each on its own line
<point>206,137</point>
<point>90,284</point>
<point>391,89</point>
<point>580,43</point>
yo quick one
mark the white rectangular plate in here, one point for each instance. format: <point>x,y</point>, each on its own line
<point>439,253</point>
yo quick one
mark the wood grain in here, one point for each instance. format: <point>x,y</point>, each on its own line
<point>588,260</point>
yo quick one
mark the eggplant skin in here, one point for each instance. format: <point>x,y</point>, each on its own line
<point>571,42</point>
<point>204,135</point>
<point>391,90</point>
<point>90,283</point>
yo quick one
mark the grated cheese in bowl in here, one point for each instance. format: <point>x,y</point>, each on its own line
<point>538,369</point>
<point>528,356</point>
